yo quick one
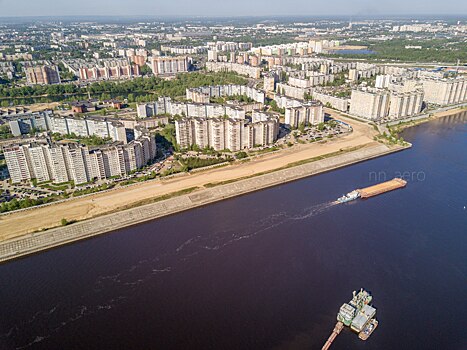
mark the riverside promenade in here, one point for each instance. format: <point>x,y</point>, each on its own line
<point>35,242</point>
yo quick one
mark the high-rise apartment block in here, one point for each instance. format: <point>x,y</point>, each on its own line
<point>405,104</point>
<point>376,104</point>
<point>170,65</point>
<point>84,127</point>
<point>139,60</point>
<point>109,73</point>
<point>146,110</point>
<point>62,162</point>
<point>383,81</point>
<point>306,114</point>
<point>204,93</point>
<point>17,162</point>
<point>371,104</point>
<point>227,133</point>
<point>43,75</point>
<point>24,123</point>
<point>269,83</point>
<point>212,55</point>
<point>445,91</point>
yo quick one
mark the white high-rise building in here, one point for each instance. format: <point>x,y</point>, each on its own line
<point>58,164</point>
<point>76,163</point>
<point>17,162</point>
<point>383,81</point>
<point>212,55</point>
<point>306,114</point>
<point>63,162</point>
<point>445,91</point>
<point>371,104</point>
<point>39,162</point>
<point>223,133</point>
<point>169,65</point>
<point>405,104</point>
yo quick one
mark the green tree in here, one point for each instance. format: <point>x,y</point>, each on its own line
<point>241,155</point>
<point>301,127</point>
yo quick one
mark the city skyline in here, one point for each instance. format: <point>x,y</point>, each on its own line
<point>239,8</point>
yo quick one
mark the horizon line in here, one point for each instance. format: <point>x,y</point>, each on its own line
<point>240,16</point>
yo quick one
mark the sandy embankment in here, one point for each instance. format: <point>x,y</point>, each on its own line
<point>20,223</point>
<point>448,112</point>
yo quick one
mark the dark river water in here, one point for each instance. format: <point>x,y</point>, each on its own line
<point>268,270</point>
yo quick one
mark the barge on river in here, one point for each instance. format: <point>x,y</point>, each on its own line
<point>374,190</point>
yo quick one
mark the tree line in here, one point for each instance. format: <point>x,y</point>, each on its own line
<point>159,86</point>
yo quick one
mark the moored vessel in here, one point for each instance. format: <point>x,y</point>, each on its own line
<point>358,315</point>
<point>363,317</point>
<point>369,328</point>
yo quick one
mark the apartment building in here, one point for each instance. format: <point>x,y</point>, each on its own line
<point>227,133</point>
<point>24,122</point>
<point>139,60</point>
<point>43,75</point>
<point>212,55</point>
<point>269,83</point>
<point>371,104</point>
<point>127,71</point>
<point>252,72</point>
<point>341,104</point>
<point>69,161</point>
<point>17,162</point>
<point>383,81</point>
<point>170,65</point>
<point>75,160</point>
<point>145,110</point>
<point>405,104</point>
<point>445,91</point>
<point>184,49</point>
<point>283,101</point>
<point>310,79</point>
<point>58,165</point>
<point>162,106</point>
<point>204,93</point>
<point>85,127</point>
<point>292,91</point>
<point>307,114</point>
<point>189,109</point>
<point>229,46</point>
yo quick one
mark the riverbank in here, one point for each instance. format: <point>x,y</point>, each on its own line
<point>398,127</point>
<point>194,197</point>
<point>17,227</point>
<point>16,224</point>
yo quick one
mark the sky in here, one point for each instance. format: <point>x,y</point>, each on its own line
<point>230,7</point>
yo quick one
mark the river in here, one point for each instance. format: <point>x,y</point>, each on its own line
<point>267,270</point>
